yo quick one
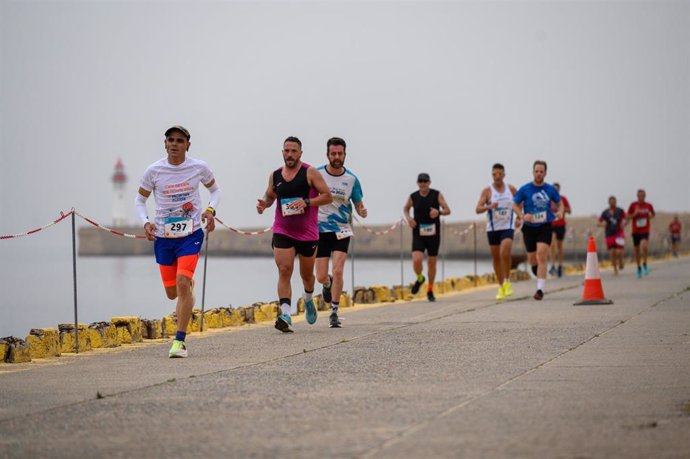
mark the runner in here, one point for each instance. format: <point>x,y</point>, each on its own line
<point>496,200</point>
<point>641,213</point>
<point>176,231</point>
<point>532,204</point>
<point>558,226</point>
<point>301,190</point>
<point>613,220</point>
<point>674,228</point>
<point>335,223</point>
<point>429,205</point>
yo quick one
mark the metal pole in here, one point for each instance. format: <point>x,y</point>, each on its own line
<point>74,276</point>
<point>474,231</point>
<point>352,267</point>
<point>203,286</point>
<point>443,253</point>
<point>402,271</point>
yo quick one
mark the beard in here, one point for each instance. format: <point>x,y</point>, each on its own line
<point>290,162</point>
<point>336,163</point>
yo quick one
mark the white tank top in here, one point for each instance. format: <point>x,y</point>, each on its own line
<point>501,218</point>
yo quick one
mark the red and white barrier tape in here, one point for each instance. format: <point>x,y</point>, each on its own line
<point>28,233</point>
<point>460,233</point>
<point>105,228</point>
<point>246,233</point>
<point>379,233</point>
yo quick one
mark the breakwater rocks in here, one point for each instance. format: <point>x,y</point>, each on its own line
<point>458,240</point>
<point>42,343</point>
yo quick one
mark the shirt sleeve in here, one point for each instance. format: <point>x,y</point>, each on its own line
<point>206,174</point>
<point>357,194</point>
<point>147,180</point>
<point>555,196</point>
<point>518,198</point>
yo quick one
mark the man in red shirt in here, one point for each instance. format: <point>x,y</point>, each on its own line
<point>558,227</point>
<point>674,228</point>
<point>641,214</point>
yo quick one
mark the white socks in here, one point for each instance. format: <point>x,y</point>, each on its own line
<point>541,283</point>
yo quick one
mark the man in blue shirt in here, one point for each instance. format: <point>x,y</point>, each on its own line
<point>532,205</point>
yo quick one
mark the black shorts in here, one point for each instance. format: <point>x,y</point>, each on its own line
<point>559,231</point>
<point>496,237</point>
<point>675,238</point>
<point>534,234</point>
<point>638,237</point>
<point>328,242</point>
<point>428,243</point>
<point>304,248</point>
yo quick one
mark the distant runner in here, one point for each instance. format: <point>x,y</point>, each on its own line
<point>641,213</point>
<point>613,220</point>
<point>429,205</point>
<point>335,223</point>
<point>497,201</point>
<point>176,231</point>
<point>674,228</point>
<point>558,227</point>
<point>300,190</point>
<point>532,204</point>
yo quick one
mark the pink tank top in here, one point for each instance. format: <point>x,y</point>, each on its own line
<point>301,227</point>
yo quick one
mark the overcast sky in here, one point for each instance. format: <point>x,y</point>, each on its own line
<point>600,90</point>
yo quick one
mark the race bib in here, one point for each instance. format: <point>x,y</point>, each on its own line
<point>287,211</point>
<point>539,217</point>
<point>640,222</point>
<point>502,214</point>
<point>620,241</point>
<point>178,227</point>
<point>344,233</point>
<point>427,229</point>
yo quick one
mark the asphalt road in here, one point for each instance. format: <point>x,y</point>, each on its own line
<point>462,377</point>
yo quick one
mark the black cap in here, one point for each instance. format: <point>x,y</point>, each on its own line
<point>178,128</point>
<point>423,177</point>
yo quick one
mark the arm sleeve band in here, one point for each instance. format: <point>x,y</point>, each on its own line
<point>215,196</point>
<point>140,205</point>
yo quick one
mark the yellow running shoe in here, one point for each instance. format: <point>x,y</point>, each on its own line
<point>177,350</point>
<point>501,294</point>
<point>507,288</point>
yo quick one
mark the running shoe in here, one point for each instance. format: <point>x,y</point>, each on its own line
<point>639,272</point>
<point>430,296</point>
<point>534,270</point>
<point>507,288</point>
<point>552,271</point>
<point>560,271</point>
<point>310,312</point>
<point>177,350</point>
<point>417,285</point>
<point>645,270</point>
<point>539,295</point>
<point>333,320</point>
<point>501,295</point>
<point>284,323</point>
<point>326,292</point>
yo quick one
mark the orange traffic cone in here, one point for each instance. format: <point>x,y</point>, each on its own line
<point>594,292</point>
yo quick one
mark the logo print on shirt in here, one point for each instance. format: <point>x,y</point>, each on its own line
<point>540,199</point>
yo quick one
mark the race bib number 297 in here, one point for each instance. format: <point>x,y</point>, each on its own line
<point>178,227</point>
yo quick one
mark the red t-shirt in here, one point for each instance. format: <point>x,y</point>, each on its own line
<point>642,221</point>
<point>674,228</point>
<point>566,208</point>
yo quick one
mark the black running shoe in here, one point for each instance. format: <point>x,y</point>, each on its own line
<point>326,292</point>
<point>333,320</point>
<point>560,271</point>
<point>284,323</point>
<point>430,296</point>
<point>534,269</point>
<point>539,295</point>
<point>417,285</point>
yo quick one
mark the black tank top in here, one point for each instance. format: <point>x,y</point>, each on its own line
<point>298,187</point>
<point>422,205</point>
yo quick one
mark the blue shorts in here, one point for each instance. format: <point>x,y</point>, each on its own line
<point>168,250</point>
<point>496,237</point>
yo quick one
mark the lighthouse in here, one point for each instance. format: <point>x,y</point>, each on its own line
<point>119,208</point>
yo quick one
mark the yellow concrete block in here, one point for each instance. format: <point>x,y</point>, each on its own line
<point>123,335</point>
<point>401,293</point>
<point>151,329</point>
<point>44,342</point>
<point>270,310</point>
<point>213,318</point>
<point>68,338</point>
<point>232,317</point>
<point>4,347</point>
<point>133,326</point>
<point>169,325</point>
<point>382,293</point>
<point>17,350</point>
<point>345,300</point>
<point>103,334</point>
<point>195,322</point>
<point>259,315</point>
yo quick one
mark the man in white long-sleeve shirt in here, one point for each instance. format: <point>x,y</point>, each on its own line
<point>176,229</point>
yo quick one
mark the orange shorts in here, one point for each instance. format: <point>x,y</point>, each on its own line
<point>183,266</point>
